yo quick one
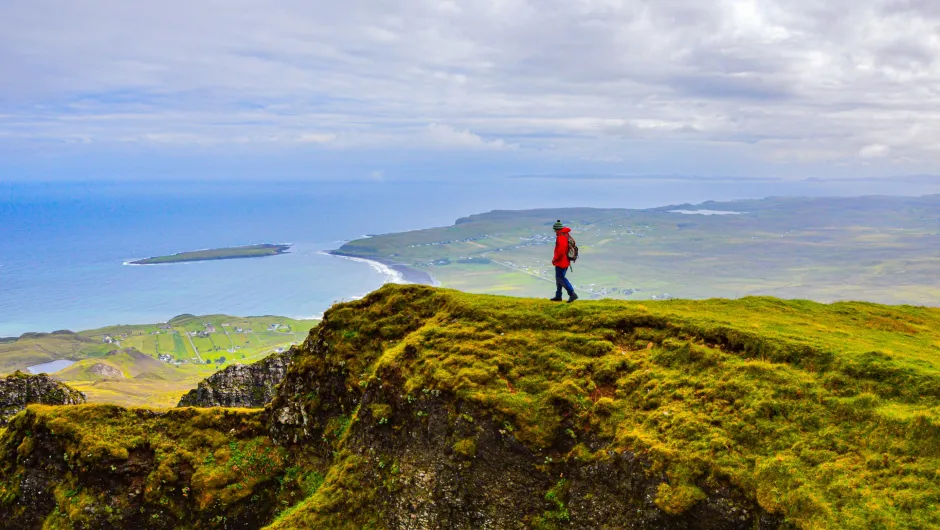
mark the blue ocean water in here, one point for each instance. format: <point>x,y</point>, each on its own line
<point>63,245</point>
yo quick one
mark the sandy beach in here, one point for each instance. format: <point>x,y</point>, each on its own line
<point>394,272</point>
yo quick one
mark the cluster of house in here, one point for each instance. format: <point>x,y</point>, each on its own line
<point>108,339</point>
<point>169,359</point>
<point>450,242</point>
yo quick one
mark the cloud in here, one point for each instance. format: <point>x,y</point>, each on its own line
<point>316,138</point>
<point>874,151</point>
<point>447,136</point>
<point>764,82</point>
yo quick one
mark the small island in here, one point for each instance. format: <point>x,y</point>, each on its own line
<point>250,251</point>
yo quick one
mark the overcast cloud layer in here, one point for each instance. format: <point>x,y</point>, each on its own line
<point>752,87</point>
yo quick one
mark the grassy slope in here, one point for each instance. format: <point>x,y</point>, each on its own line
<point>880,249</point>
<point>829,414</point>
<point>45,347</point>
<point>167,382</point>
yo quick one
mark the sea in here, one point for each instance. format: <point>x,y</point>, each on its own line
<point>64,246</point>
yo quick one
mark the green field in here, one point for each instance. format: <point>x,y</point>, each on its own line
<point>250,251</point>
<point>217,345</point>
<point>881,249</point>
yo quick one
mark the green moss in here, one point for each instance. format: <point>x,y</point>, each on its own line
<point>675,499</point>
<point>381,412</point>
<point>341,502</point>
<point>207,461</point>
<point>467,448</point>
<point>556,514</point>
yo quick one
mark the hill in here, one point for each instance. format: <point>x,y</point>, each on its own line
<point>118,364</point>
<point>429,408</point>
<point>879,249</point>
<point>155,364</point>
<point>37,348</point>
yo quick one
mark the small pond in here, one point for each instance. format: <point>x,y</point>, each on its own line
<point>50,367</point>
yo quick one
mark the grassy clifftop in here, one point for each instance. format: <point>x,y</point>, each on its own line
<point>826,414</point>
<point>429,408</point>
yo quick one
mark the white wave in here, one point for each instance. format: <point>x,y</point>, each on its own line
<point>318,316</point>
<point>706,212</point>
<point>391,275</point>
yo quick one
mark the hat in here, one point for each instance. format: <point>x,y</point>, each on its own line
<point>558,225</point>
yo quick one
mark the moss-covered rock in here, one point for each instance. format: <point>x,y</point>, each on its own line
<point>102,466</point>
<point>680,414</point>
<point>18,390</point>
<point>241,385</point>
<point>423,408</point>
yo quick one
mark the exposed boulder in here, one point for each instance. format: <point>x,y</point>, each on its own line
<point>105,371</point>
<point>18,390</point>
<point>241,385</point>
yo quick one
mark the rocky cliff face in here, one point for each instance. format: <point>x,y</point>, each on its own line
<point>241,385</point>
<point>19,390</point>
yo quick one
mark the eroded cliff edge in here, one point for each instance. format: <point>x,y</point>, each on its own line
<point>425,408</point>
<point>19,389</point>
<point>241,385</point>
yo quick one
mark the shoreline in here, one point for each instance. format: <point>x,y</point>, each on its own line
<point>395,272</point>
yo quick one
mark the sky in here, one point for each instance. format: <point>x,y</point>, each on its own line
<point>307,89</point>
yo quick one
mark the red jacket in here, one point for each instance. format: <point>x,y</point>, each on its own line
<point>560,259</point>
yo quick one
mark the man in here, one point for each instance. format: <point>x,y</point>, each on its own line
<point>561,262</point>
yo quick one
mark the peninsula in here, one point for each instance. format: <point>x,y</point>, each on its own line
<point>250,251</point>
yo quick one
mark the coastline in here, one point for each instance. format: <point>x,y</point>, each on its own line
<point>395,272</point>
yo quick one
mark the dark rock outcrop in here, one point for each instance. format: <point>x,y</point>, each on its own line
<point>18,390</point>
<point>241,385</point>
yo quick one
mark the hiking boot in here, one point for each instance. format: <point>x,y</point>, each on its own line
<point>556,299</point>
<point>573,297</point>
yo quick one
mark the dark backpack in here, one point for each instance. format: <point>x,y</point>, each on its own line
<point>572,249</point>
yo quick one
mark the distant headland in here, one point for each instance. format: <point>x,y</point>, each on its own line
<point>250,251</point>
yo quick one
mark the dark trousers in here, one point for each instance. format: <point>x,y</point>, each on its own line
<point>561,281</point>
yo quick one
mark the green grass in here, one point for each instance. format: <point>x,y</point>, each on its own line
<point>250,251</point>
<point>828,414</point>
